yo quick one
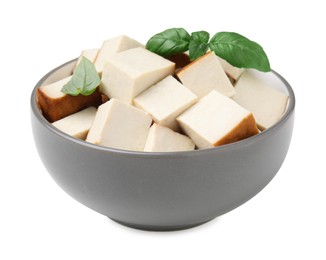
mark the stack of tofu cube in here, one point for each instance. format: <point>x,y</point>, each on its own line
<point>151,107</point>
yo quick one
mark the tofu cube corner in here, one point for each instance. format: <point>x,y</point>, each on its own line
<point>165,101</point>
<point>131,72</point>
<point>112,46</point>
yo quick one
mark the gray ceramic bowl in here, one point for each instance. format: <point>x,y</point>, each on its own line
<point>161,191</point>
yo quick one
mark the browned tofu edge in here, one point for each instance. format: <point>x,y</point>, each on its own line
<point>246,128</point>
<point>192,63</point>
<point>54,109</point>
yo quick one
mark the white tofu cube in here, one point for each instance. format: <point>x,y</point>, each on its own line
<point>163,139</point>
<point>257,93</point>
<point>119,125</point>
<point>165,101</point>
<point>78,124</point>
<point>90,54</point>
<point>129,73</point>
<point>216,120</point>
<point>112,46</point>
<point>204,75</point>
<point>233,72</point>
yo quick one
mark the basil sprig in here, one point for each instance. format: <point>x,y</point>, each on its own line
<point>236,49</point>
<point>84,81</point>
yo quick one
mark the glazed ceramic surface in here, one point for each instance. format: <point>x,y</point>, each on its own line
<point>161,191</point>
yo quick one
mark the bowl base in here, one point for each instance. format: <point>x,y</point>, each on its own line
<point>159,228</point>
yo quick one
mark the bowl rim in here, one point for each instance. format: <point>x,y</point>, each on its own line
<point>114,151</point>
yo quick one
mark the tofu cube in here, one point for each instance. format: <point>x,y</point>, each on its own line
<point>129,73</point>
<point>204,75</point>
<point>165,101</point>
<point>257,93</point>
<point>56,104</point>
<point>112,46</point>
<point>217,120</point>
<point>90,54</point>
<point>163,139</point>
<point>119,125</point>
<point>78,124</point>
<point>233,72</point>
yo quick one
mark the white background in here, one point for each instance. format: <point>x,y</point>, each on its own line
<point>39,221</point>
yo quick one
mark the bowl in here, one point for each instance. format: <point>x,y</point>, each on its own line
<point>161,191</point>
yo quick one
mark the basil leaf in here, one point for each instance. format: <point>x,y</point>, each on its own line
<point>198,45</point>
<point>239,51</point>
<point>70,89</point>
<point>169,42</point>
<point>201,36</point>
<point>91,77</point>
<point>84,81</point>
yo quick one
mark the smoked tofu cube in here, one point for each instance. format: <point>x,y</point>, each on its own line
<point>204,75</point>
<point>78,124</point>
<point>257,93</point>
<point>112,46</point>
<point>129,73</point>
<point>165,101</point>
<point>233,72</point>
<point>56,104</point>
<point>119,125</point>
<point>217,120</point>
<point>163,139</point>
<point>90,54</point>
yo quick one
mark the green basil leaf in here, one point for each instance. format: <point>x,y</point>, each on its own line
<point>198,45</point>
<point>70,89</point>
<point>91,77</point>
<point>202,36</point>
<point>239,51</point>
<point>84,81</point>
<point>169,42</point>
